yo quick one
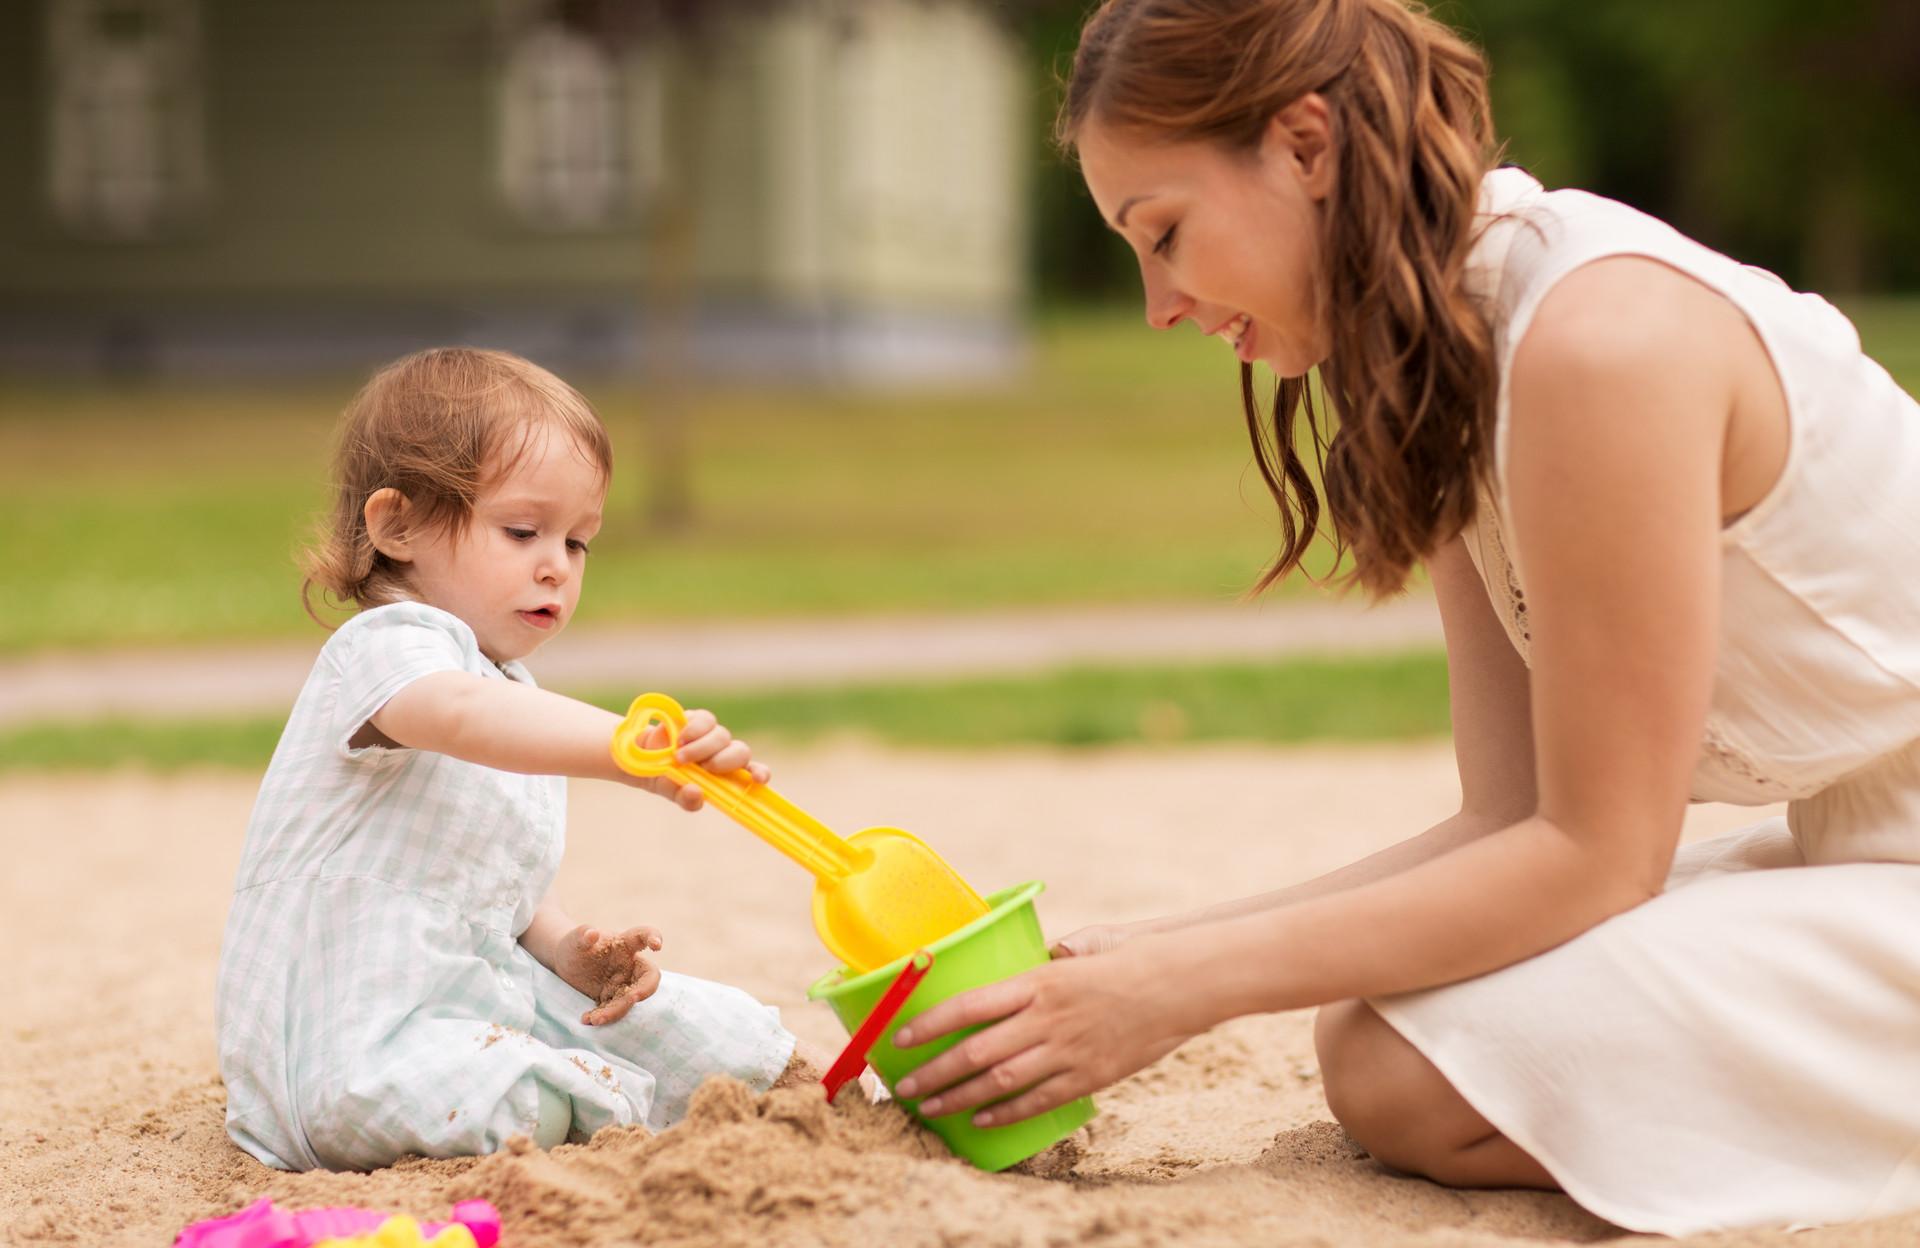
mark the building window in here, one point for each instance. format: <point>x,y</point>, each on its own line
<point>563,134</point>
<point>128,143</point>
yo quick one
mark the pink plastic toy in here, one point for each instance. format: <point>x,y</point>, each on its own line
<point>260,1225</point>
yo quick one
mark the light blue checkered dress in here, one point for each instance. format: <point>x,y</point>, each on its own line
<point>374,1000</point>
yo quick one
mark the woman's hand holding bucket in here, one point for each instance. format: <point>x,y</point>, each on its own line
<point>1100,938</point>
<point>1060,1031</point>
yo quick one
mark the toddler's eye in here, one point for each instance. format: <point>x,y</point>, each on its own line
<point>521,535</point>
<point>574,543</point>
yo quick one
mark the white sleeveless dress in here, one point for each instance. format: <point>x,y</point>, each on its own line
<point>1745,1048</point>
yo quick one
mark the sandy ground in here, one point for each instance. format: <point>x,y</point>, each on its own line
<point>110,1108</point>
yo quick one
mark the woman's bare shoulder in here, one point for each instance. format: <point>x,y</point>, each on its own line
<point>1630,349</point>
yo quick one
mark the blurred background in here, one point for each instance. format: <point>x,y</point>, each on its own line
<point>865,349</point>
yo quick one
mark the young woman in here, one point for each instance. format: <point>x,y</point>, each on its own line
<point>1672,517</point>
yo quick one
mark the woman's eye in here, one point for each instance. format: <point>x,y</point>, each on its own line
<point>574,543</point>
<point>1165,246</point>
<point>521,535</point>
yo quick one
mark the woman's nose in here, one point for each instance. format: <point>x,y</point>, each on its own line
<point>1166,305</point>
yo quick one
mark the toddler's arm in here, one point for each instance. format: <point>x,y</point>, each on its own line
<point>542,938</point>
<point>515,727</point>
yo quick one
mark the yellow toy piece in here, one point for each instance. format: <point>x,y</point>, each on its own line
<point>878,895</point>
<point>401,1231</point>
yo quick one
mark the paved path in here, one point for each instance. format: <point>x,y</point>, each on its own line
<point>790,653</point>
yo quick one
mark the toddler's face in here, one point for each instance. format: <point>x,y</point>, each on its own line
<point>513,575</point>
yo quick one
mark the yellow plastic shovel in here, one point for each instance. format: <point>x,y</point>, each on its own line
<point>878,895</point>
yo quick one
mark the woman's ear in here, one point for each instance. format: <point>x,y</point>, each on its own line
<point>386,517</point>
<point>1302,135</point>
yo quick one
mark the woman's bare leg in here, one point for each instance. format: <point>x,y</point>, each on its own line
<point>1398,1106</point>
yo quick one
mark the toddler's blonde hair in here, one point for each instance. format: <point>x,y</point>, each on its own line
<point>437,426</point>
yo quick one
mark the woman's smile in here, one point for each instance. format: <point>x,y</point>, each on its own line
<point>1241,334</point>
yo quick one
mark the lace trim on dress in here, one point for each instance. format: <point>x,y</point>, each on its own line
<point>1509,599</point>
<point>1734,761</point>
<point>1503,583</point>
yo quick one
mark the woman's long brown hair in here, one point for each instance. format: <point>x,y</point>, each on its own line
<point>1411,376</point>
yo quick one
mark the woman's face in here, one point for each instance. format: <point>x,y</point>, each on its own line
<point>1228,240</point>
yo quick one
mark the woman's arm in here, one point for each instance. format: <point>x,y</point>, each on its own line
<point>515,727</point>
<point>1621,396</point>
<point>1492,747</point>
<point>1614,464</point>
<point>1619,424</point>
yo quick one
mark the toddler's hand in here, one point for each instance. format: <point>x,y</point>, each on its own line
<point>706,742</point>
<point>613,970</point>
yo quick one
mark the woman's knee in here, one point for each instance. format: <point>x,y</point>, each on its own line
<point>1354,1070</point>
<point>1387,1096</point>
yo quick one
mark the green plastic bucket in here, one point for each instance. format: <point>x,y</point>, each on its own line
<point>997,945</point>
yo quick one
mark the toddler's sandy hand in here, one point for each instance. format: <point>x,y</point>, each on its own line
<point>613,970</point>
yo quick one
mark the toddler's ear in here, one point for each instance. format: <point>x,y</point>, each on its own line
<point>386,517</point>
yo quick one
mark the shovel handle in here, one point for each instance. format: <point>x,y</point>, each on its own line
<point>753,805</point>
<point>635,759</point>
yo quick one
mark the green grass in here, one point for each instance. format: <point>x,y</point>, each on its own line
<point>1360,699</point>
<point>1115,470</point>
<point>1890,333</point>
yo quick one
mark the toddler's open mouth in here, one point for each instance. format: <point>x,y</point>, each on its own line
<point>541,617</point>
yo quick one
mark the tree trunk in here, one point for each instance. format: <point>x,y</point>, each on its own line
<point>1835,259</point>
<point>668,305</point>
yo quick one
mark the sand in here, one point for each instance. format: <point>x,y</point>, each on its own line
<point>110,1106</point>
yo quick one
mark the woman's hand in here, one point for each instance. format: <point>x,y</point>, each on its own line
<point>613,970</point>
<point>1064,1029</point>
<point>1099,938</point>
<point>706,742</point>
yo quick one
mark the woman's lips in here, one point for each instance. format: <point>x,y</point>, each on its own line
<point>1239,334</point>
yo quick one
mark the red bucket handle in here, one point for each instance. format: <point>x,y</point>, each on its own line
<point>853,1058</point>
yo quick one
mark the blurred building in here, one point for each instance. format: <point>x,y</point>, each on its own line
<point>827,188</point>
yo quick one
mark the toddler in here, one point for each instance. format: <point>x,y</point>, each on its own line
<point>394,978</point>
